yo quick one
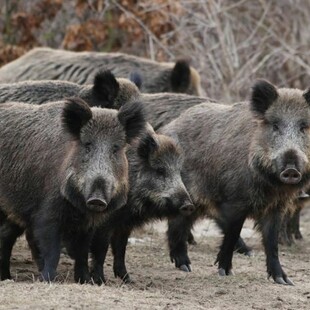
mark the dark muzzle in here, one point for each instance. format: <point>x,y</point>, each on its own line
<point>290,175</point>
<point>96,204</point>
<point>187,209</point>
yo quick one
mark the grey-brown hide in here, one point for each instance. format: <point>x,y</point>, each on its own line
<point>156,192</point>
<point>72,160</point>
<point>106,91</point>
<point>155,163</point>
<point>79,67</point>
<point>244,160</point>
<point>162,108</point>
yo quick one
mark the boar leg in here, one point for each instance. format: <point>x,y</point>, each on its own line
<point>99,248</point>
<point>296,226</point>
<point>178,231</point>
<point>191,239</point>
<point>231,228</point>
<point>35,252</point>
<point>269,226</point>
<point>78,248</point>
<point>242,248</point>
<point>119,243</point>
<point>285,233</point>
<point>9,232</point>
<point>48,238</point>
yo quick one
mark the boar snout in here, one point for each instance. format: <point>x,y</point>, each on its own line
<point>99,196</point>
<point>290,175</point>
<point>187,209</point>
<point>96,204</point>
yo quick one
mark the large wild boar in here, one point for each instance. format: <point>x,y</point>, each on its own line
<point>156,192</point>
<point>78,67</point>
<point>106,91</point>
<point>63,169</point>
<point>245,160</point>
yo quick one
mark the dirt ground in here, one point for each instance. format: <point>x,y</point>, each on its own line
<point>158,285</point>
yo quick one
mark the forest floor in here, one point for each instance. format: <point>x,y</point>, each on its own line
<point>158,285</point>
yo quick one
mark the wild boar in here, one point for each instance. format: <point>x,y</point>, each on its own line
<point>244,160</point>
<point>106,91</point>
<point>63,169</point>
<point>79,67</point>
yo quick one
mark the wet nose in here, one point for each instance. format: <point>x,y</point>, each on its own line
<point>187,209</point>
<point>290,175</point>
<point>96,204</point>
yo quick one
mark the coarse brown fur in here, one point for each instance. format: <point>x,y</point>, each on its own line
<point>63,169</point>
<point>233,159</point>
<point>105,91</point>
<point>162,108</point>
<point>156,192</point>
<point>79,67</point>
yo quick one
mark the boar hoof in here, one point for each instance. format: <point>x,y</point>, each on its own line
<point>98,280</point>
<point>222,272</point>
<point>298,235</point>
<point>82,278</point>
<point>47,276</point>
<point>284,281</point>
<point>124,277</point>
<point>186,268</point>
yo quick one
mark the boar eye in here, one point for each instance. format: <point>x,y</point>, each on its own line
<point>116,148</point>
<point>161,171</point>
<point>275,126</point>
<point>88,146</point>
<point>304,127</point>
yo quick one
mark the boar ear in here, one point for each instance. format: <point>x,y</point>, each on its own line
<point>132,117</point>
<point>306,95</point>
<point>180,76</point>
<point>136,78</point>
<point>147,145</point>
<point>76,113</point>
<point>263,95</point>
<point>105,89</point>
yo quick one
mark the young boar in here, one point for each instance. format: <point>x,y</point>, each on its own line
<point>63,170</point>
<point>78,67</point>
<point>106,91</point>
<point>245,160</point>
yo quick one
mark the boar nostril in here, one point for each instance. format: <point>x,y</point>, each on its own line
<point>96,204</point>
<point>187,209</point>
<point>290,176</point>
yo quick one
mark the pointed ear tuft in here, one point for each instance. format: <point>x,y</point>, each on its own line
<point>76,113</point>
<point>263,95</point>
<point>147,145</point>
<point>105,89</point>
<point>132,117</point>
<point>181,76</point>
<point>136,78</point>
<point>306,95</point>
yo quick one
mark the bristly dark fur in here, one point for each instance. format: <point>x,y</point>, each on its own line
<point>136,78</point>
<point>132,117</point>
<point>307,95</point>
<point>263,95</point>
<point>180,76</point>
<point>106,88</point>
<point>146,146</point>
<point>76,114</point>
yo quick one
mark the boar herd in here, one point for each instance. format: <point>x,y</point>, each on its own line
<point>94,145</point>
